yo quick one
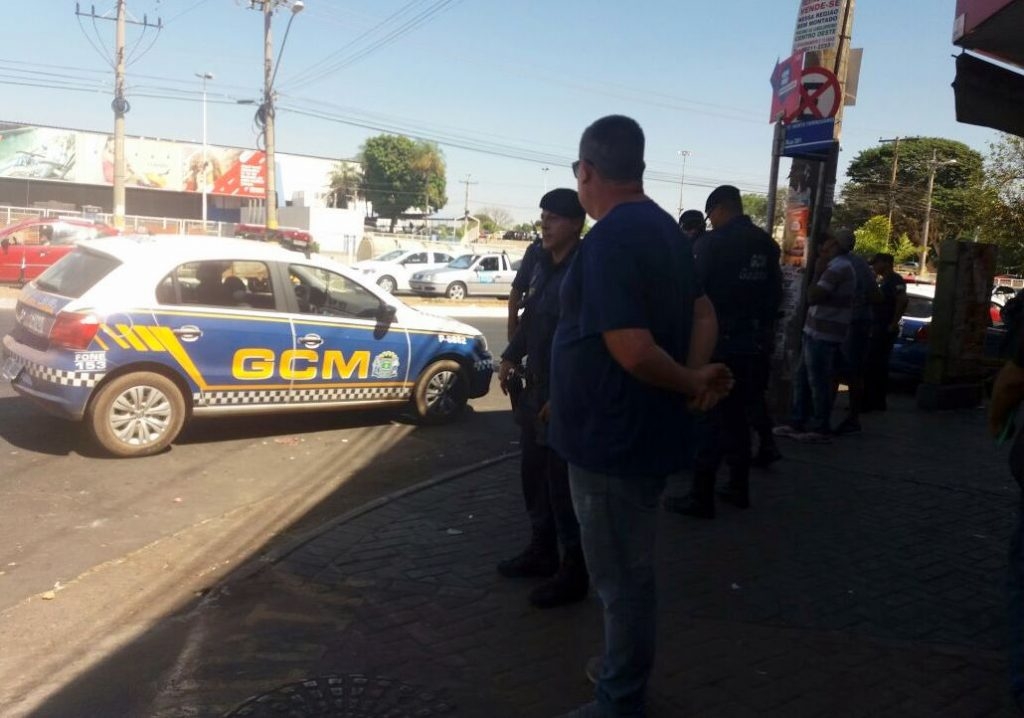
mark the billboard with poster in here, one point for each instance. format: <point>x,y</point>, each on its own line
<point>55,154</point>
<point>817,25</point>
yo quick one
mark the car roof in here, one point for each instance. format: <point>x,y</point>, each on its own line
<point>176,248</point>
<point>921,290</point>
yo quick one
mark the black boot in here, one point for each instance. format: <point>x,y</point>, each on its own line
<point>569,585</point>
<point>539,559</point>
<point>690,506</point>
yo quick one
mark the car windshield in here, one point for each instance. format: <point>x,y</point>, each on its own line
<point>76,273</point>
<point>391,256</point>
<point>463,262</point>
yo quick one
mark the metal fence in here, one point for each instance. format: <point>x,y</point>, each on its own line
<point>133,223</point>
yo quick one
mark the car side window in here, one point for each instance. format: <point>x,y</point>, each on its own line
<point>418,258</point>
<point>440,257</point>
<point>218,284</point>
<point>320,291</point>
<point>489,264</point>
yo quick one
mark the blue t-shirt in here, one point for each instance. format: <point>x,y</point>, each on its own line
<point>633,270</point>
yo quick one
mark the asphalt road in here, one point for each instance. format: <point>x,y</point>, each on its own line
<point>69,513</point>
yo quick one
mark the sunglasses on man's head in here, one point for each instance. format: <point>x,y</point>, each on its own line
<point>576,169</point>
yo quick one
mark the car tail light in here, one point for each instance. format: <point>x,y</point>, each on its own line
<point>922,334</point>
<point>74,331</point>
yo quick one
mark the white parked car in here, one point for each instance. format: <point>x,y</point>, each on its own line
<point>391,271</point>
<point>134,335</point>
<point>488,275</point>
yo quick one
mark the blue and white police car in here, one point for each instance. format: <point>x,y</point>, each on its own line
<point>134,335</point>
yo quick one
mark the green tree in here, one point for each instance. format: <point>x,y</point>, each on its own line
<point>399,173</point>
<point>1003,222</point>
<point>957,207</point>
<point>346,183</point>
<point>756,207</point>
<point>500,218</point>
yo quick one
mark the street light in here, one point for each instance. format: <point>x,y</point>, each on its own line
<point>933,166</point>
<point>682,178</point>
<point>545,170</point>
<point>204,76</point>
<point>267,108</point>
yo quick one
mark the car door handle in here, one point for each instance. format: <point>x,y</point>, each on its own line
<point>188,333</point>
<point>311,341</point>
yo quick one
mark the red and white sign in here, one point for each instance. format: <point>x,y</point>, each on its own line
<point>786,93</point>
<point>247,177</point>
<point>820,94</point>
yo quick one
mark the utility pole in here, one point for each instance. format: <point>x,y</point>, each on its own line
<point>933,166</point>
<point>682,180</point>
<point>892,179</point>
<point>120,104</point>
<point>545,170</point>
<point>204,76</point>
<point>465,216</point>
<point>267,111</point>
<point>268,118</point>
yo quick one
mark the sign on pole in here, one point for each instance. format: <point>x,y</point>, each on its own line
<point>818,23</point>
<point>786,94</point>
<point>820,94</point>
<point>809,139</point>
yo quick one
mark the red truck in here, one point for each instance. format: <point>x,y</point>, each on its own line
<point>289,237</point>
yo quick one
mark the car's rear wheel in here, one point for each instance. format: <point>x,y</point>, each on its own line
<point>388,284</point>
<point>456,291</point>
<point>136,414</point>
<point>441,392</point>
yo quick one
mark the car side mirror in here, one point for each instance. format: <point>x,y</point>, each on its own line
<point>387,312</point>
<point>4,244</point>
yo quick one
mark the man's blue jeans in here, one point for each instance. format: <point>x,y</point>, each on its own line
<point>812,385</point>
<point>1015,584</point>
<point>618,520</point>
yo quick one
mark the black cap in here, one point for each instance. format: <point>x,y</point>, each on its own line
<point>882,257</point>
<point>564,202</point>
<point>724,194</point>
<point>691,219</point>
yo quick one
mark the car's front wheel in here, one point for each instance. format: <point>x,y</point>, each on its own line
<point>136,414</point>
<point>388,284</point>
<point>441,392</point>
<point>456,291</point>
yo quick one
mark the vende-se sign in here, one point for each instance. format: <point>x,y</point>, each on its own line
<point>818,23</point>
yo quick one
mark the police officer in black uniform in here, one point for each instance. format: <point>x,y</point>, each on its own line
<point>738,268</point>
<point>545,476</point>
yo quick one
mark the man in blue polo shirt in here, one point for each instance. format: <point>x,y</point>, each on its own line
<point>629,353</point>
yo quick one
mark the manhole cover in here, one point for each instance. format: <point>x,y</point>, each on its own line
<point>349,696</point>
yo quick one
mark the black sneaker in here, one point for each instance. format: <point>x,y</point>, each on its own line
<point>848,426</point>
<point>531,563</point>
<point>565,588</point>
<point>688,506</point>
<point>740,500</point>
<point>765,457</point>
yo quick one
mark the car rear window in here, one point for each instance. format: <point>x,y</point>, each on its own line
<point>918,307</point>
<point>76,273</point>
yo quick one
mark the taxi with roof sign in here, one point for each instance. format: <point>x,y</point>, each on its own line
<point>134,335</point>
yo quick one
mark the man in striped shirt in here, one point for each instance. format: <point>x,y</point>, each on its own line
<point>830,299</point>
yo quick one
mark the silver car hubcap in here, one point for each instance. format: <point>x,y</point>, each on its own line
<point>441,392</point>
<point>457,292</point>
<point>140,415</point>
<point>387,285</point>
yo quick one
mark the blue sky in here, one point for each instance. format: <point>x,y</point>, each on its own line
<point>519,80</point>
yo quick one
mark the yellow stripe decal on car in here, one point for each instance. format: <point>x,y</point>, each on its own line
<point>165,335</point>
<point>110,333</point>
<point>103,345</point>
<point>147,336</point>
<point>128,334</point>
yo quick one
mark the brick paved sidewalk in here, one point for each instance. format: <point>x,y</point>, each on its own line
<point>866,581</point>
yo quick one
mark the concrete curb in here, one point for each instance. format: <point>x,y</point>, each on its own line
<point>7,303</point>
<point>258,563</point>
